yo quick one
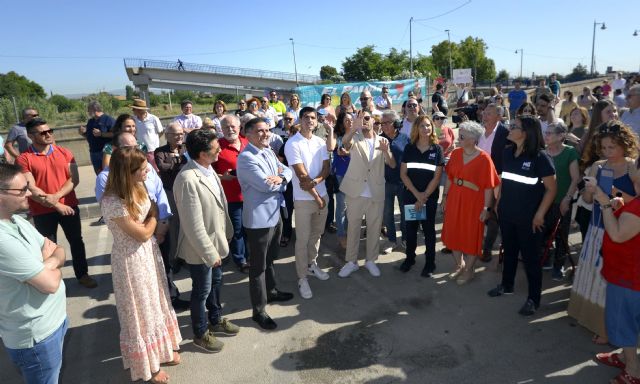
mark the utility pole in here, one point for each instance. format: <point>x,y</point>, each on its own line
<point>450,65</point>
<point>295,66</point>
<point>593,44</point>
<point>411,46</point>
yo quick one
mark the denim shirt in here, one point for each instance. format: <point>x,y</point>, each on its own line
<point>392,175</point>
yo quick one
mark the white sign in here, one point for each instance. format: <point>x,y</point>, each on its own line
<point>462,76</point>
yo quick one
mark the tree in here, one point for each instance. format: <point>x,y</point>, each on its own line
<point>469,53</point>
<point>129,92</point>
<point>327,72</point>
<point>503,76</point>
<point>578,73</point>
<point>64,104</point>
<point>13,84</point>
<point>365,64</point>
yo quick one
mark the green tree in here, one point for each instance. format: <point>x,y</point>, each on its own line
<point>472,54</point>
<point>129,92</point>
<point>503,77</point>
<point>578,73</point>
<point>440,57</point>
<point>64,104</point>
<point>13,84</point>
<point>365,64</point>
<point>425,66</point>
<point>327,72</point>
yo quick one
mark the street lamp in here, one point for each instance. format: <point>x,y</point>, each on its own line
<point>450,66</point>
<point>411,47</point>
<point>593,44</point>
<point>635,33</point>
<point>521,51</point>
<point>295,66</point>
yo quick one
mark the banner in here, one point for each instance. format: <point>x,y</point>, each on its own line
<point>398,91</point>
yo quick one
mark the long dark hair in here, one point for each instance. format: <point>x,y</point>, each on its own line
<point>589,152</point>
<point>340,129</point>
<point>533,142</point>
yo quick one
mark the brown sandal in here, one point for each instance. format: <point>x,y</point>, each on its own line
<point>176,360</point>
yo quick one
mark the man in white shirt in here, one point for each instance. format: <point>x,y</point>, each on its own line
<point>269,112</point>
<point>188,121</point>
<point>308,158</point>
<point>148,128</point>
<point>412,109</point>
<point>618,83</point>
<point>632,116</point>
<point>383,101</point>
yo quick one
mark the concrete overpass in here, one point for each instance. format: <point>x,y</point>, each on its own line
<point>146,73</point>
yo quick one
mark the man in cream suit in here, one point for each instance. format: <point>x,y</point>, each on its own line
<point>262,179</point>
<point>205,230</point>
<point>363,185</point>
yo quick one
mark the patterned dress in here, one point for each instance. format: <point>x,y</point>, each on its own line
<point>149,331</point>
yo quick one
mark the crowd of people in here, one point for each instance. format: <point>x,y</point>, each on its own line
<point>228,188</point>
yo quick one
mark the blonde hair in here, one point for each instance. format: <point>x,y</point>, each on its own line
<point>125,162</point>
<point>415,130</point>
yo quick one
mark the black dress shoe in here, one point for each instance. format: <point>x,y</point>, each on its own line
<point>264,321</point>
<point>428,270</point>
<point>244,267</point>
<point>406,265</point>
<point>528,309</point>
<point>279,296</point>
<point>180,305</point>
<point>486,256</point>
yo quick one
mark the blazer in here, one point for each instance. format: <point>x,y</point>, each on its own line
<point>262,201</point>
<point>205,226</point>
<point>497,147</point>
<point>362,171</point>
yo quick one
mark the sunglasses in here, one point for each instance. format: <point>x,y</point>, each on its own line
<point>364,98</point>
<point>366,118</point>
<point>609,128</point>
<point>412,105</point>
<point>45,133</point>
<point>253,104</point>
<point>377,123</point>
<point>438,118</point>
<point>21,191</point>
<point>288,118</point>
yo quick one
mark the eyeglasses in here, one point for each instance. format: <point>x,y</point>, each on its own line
<point>288,118</point>
<point>364,98</point>
<point>21,191</point>
<point>412,105</point>
<point>45,133</point>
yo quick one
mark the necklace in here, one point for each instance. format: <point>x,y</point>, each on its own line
<point>469,154</point>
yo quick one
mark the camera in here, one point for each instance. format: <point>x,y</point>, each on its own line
<point>471,111</point>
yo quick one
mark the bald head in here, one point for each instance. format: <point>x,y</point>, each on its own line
<point>126,139</point>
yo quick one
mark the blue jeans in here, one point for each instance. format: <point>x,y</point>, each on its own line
<point>205,295</point>
<point>41,363</point>
<point>393,191</point>
<point>236,245</point>
<point>341,213</point>
<point>96,161</point>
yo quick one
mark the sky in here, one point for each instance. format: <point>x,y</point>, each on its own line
<point>74,46</point>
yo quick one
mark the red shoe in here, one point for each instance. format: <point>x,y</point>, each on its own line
<point>611,359</point>
<point>625,378</point>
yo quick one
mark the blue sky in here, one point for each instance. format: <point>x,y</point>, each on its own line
<point>77,46</point>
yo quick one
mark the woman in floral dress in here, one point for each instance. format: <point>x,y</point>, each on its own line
<point>149,333</point>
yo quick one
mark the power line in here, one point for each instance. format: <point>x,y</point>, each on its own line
<point>446,13</point>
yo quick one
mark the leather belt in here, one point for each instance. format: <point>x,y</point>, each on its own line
<point>465,183</point>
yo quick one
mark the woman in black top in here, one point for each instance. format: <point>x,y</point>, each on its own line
<point>420,172</point>
<point>526,193</point>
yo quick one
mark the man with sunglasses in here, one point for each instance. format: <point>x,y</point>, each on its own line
<point>33,317</point>
<point>383,101</point>
<point>412,110</point>
<point>52,174</point>
<point>18,134</point>
<point>269,112</point>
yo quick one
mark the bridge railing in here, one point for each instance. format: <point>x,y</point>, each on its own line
<point>217,69</point>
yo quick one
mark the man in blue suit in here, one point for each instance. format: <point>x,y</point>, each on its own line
<point>262,179</point>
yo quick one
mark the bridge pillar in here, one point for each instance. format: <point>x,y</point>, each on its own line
<point>143,89</point>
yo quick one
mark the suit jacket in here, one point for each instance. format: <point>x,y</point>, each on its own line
<point>205,227</point>
<point>497,147</point>
<point>262,201</point>
<point>362,171</point>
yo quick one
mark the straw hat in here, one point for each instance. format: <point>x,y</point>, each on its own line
<point>139,104</point>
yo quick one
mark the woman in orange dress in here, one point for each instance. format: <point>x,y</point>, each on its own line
<point>467,200</point>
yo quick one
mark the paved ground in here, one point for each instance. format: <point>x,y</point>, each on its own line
<point>399,328</point>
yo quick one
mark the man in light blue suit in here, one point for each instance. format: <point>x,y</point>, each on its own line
<point>262,179</point>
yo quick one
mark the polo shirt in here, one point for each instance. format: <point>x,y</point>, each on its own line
<point>51,172</point>
<point>27,316</point>
<point>421,168</point>
<point>104,123</point>
<point>517,97</point>
<point>311,153</point>
<point>397,146</point>
<point>190,121</point>
<point>148,131</point>
<point>19,133</point>
<point>561,163</point>
<point>522,188</point>
<point>279,107</point>
<point>228,160</point>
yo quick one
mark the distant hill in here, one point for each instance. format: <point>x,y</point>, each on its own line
<point>114,92</point>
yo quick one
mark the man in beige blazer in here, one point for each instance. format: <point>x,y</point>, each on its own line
<point>363,185</point>
<point>205,230</point>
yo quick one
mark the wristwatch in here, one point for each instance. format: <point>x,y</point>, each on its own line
<point>488,209</point>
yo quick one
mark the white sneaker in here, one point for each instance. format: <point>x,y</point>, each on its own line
<point>386,247</point>
<point>304,288</point>
<point>348,269</point>
<point>314,270</point>
<point>372,268</point>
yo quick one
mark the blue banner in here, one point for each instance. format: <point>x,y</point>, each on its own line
<point>398,91</point>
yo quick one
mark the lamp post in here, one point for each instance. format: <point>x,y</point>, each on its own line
<point>450,65</point>
<point>593,44</point>
<point>635,33</point>
<point>295,66</point>
<point>410,48</point>
<point>521,51</point>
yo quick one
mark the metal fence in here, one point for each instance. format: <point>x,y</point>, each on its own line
<point>219,70</point>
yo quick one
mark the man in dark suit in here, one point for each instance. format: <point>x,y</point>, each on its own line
<point>493,142</point>
<point>262,179</point>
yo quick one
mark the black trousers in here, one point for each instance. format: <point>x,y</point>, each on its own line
<point>287,220</point>
<point>429,229</point>
<point>520,239</point>
<point>47,225</point>
<point>491,234</point>
<point>165,251</point>
<point>262,248</point>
